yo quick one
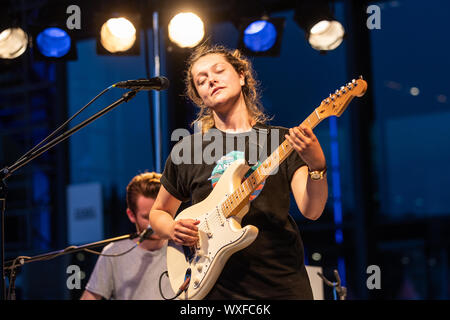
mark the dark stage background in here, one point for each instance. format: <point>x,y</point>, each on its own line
<point>388,154</point>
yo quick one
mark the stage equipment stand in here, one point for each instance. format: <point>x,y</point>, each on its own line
<point>338,290</point>
<point>8,171</point>
<point>12,265</point>
<point>157,94</point>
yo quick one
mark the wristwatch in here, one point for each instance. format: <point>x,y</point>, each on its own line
<point>317,175</point>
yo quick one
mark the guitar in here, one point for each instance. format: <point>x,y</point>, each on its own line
<point>196,269</point>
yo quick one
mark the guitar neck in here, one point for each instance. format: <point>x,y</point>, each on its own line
<point>235,201</point>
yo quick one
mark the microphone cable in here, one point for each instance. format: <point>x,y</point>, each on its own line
<point>142,236</point>
<point>111,255</point>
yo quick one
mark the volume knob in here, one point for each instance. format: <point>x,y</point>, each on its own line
<point>196,281</point>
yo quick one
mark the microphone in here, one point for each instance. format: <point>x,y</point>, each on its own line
<point>157,83</point>
<point>145,234</point>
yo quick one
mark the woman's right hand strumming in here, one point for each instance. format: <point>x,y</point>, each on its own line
<point>185,232</point>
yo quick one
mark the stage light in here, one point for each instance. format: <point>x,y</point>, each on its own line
<point>53,42</point>
<point>326,35</point>
<point>117,35</point>
<point>323,32</point>
<point>186,29</point>
<point>13,43</point>
<point>316,256</point>
<point>414,91</point>
<point>261,36</point>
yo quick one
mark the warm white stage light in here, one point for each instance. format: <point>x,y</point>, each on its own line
<point>186,29</point>
<point>13,42</point>
<point>117,35</point>
<point>326,35</point>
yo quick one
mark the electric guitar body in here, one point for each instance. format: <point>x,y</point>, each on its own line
<point>220,237</point>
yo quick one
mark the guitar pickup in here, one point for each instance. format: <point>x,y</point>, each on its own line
<point>208,231</point>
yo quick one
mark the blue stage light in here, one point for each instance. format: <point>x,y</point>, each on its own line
<point>260,36</point>
<point>53,42</point>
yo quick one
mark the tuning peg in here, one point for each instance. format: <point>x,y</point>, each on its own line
<point>353,81</point>
<point>343,89</point>
<point>337,93</point>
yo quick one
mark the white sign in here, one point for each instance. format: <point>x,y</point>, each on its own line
<point>315,281</point>
<point>84,213</point>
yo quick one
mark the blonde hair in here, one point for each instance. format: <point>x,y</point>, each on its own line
<point>242,66</point>
<point>146,184</point>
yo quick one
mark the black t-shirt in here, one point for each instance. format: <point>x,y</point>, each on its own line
<point>272,267</point>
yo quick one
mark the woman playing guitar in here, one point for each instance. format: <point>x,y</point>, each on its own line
<point>221,83</point>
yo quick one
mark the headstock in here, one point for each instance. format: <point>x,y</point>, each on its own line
<point>337,102</point>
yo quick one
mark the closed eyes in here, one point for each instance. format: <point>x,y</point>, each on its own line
<point>216,69</point>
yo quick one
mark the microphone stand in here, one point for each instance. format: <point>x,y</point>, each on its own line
<point>7,171</point>
<point>337,288</point>
<point>12,264</point>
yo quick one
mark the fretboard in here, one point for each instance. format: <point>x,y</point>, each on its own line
<point>235,201</point>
